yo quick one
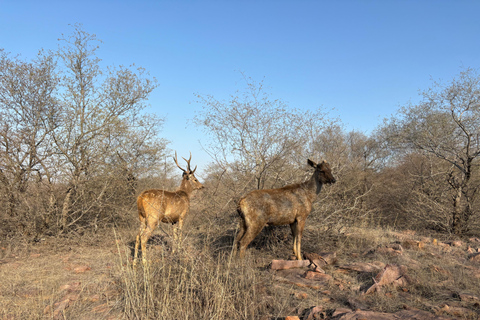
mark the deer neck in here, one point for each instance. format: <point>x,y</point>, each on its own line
<point>186,187</point>
<point>313,185</point>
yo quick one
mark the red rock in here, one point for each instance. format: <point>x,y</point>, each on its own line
<point>94,298</point>
<point>475,257</point>
<point>413,244</point>
<point>394,249</point>
<point>391,274</point>
<point>313,313</point>
<point>364,266</point>
<point>440,270</point>
<point>47,310</point>
<point>330,257</point>
<point>313,275</point>
<point>468,297</point>
<point>60,307</point>
<point>474,271</point>
<point>70,287</point>
<point>292,318</point>
<point>288,264</point>
<point>345,314</point>
<point>81,269</point>
<point>458,312</point>
<point>300,295</point>
<point>295,276</point>
<point>103,308</point>
<point>456,243</point>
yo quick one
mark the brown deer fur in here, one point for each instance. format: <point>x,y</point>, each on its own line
<point>288,205</point>
<point>156,205</point>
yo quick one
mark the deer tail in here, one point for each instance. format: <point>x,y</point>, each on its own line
<point>141,208</point>
<point>240,210</point>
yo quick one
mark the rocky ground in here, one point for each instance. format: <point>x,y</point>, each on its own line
<point>444,266</point>
<point>408,277</point>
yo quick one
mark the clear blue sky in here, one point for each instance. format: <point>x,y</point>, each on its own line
<point>362,58</point>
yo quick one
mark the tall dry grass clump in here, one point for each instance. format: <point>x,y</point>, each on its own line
<point>192,285</point>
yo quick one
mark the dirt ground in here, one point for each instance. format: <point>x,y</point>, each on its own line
<point>65,280</point>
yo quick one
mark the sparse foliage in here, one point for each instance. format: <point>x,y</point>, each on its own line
<point>256,137</point>
<point>446,124</point>
<point>74,136</point>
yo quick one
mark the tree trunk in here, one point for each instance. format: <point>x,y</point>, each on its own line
<point>66,208</point>
<point>457,212</point>
<point>462,210</point>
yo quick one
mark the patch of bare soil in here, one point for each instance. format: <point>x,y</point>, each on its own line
<point>69,282</point>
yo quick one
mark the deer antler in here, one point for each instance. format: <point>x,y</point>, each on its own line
<point>188,164</point>
<point>178,164</point>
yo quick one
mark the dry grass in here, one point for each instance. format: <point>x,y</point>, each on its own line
<point>37,281</point>
<point>200,280</point>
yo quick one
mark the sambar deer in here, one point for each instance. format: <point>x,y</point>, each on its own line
<point>288,205</point>
<point>156,205</point>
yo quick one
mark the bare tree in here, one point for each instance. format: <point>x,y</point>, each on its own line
<point>27,110</point>
<point>98,108</point>
<point>255,135</point>
<point>446,123</point>
<point>74,137</point>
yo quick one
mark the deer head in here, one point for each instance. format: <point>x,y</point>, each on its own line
<point>323,172</point>
<point>188,175</point>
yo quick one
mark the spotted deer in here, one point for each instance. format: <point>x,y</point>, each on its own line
<point>288,205</point>
<point>156,205</point>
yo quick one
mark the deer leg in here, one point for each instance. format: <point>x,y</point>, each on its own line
<point>299,231</point>
<point>177,234</point>
<point>177,230</point>
<point>294,228</point>
<point>240,234</point>
<point>250,233</point>
<point>137,242</point>
<point>146,233</point>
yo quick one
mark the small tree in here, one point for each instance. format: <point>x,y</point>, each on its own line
<point>446,123</point>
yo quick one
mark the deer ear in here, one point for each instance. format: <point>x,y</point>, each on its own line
<point>311,163</point>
